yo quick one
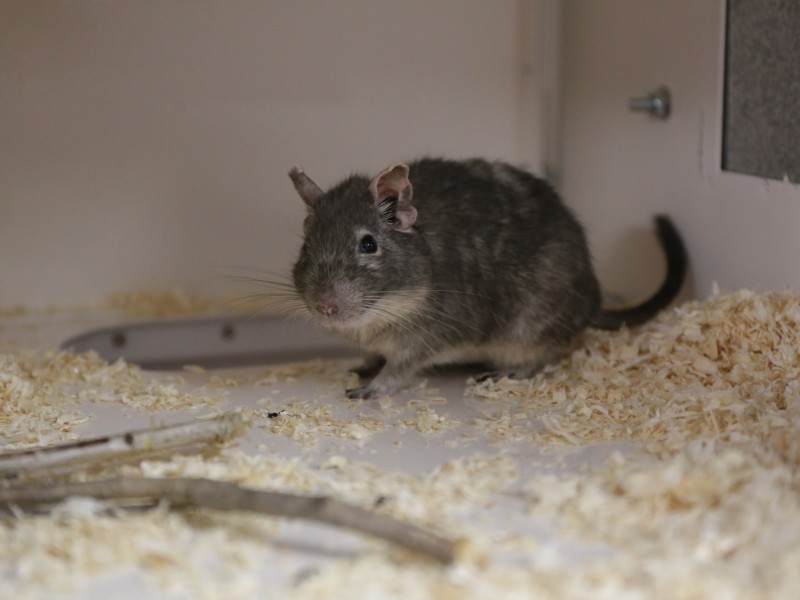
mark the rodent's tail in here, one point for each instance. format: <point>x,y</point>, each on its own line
<point>675,253</point>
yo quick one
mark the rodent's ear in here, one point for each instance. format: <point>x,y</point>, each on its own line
<point>309,191</point>
<point>393,182</point>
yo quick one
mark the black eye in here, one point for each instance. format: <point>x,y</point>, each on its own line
<point>368,245</point>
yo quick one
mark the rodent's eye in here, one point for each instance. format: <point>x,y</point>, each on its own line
<point>368,245</point>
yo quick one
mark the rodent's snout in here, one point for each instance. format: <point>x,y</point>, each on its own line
<point>334,305</point>
<point>327,309</point>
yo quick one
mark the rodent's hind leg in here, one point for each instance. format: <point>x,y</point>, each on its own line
<point>518,373</point>
<point>372,365</point>
<point>525,370</point>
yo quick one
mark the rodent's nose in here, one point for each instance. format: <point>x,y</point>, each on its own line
<point>328,309</point>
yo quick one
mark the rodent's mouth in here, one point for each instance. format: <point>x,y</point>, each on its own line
<point>338,315</point>
<point>350,320</point>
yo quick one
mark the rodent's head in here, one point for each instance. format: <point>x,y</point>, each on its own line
<point>356,267</point>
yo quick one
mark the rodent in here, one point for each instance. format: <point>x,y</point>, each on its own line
<point>440,261</point>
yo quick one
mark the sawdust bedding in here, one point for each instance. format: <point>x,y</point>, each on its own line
<point>706,506</point>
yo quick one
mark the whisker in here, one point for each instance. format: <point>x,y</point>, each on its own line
<point>402,322</point>
<point>413,324</point>
<point>426,311</point>
<point>244,279</point>
<point>278,295</point>
<point>279,274</point>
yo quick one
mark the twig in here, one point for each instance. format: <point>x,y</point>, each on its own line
<point>207,493</point>
<point>133,445</point>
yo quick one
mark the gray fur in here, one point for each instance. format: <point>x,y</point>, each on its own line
<point>495,269</point>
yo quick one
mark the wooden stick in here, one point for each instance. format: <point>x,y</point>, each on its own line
<point>133,445</point>
<point>207,493</point>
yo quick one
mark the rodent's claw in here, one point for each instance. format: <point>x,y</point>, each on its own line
<point>360,393</point>
<point>490,376</point>
<point>496,376</point>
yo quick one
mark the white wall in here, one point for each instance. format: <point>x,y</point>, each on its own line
<point>146,143</point>
<point>620,168</point>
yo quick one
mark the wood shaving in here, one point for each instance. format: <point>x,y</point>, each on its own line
<point>158,303</point>
<point>309,424</point>
<point>58,554</point>
<point>704,505</point>
<point>333,373</point>
<point>427,420</point>
<point>43,396</point>
<point>726,368</point>
<point>707,522</point>
<point>13,311</point>
<point>30,413</point>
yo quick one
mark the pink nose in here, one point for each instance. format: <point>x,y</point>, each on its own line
<point>328,310</point>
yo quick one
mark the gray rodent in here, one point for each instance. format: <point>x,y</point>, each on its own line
<point>442,261</point>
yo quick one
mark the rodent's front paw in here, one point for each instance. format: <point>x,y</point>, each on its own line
<point>382,385</point>
<point>361,393</point>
